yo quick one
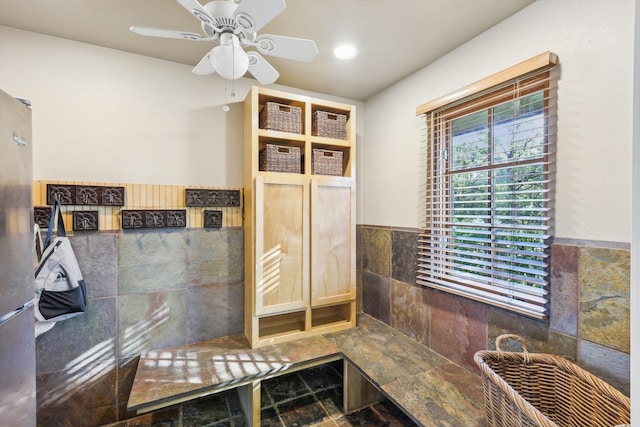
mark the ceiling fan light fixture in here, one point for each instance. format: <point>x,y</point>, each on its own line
<point>345,51</point>
<point>229,60</point>
<point>233,25</point>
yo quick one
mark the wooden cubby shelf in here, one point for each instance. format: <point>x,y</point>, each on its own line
<point>299,274</point>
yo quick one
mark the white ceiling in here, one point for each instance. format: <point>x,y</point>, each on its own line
<point>395,38</point>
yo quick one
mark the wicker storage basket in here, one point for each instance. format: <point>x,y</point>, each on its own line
<point>329,125</point>
<point>533,389</point>
<point>280,158</point>
<point>281,117</point>
<point>326,162</point>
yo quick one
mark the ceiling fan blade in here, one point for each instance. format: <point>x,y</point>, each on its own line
<point>204,66</point>
<point>286,47</point>
<point>261,69</point>
<point>170,34</point>
<point>251,15</point>
<point>197,10</point>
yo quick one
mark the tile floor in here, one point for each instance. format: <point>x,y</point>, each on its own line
<point>312,397</point>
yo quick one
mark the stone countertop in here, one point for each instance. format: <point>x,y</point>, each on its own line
<point>176,374</point>
<point>430,388</point>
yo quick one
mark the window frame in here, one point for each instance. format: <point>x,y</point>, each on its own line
<point>535,75</point>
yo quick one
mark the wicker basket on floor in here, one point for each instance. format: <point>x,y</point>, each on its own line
<point>543,390</point>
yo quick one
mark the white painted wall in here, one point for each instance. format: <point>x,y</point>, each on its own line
<point>102,115</point>
<point>594,42</point>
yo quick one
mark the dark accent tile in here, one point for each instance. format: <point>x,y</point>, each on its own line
<point>80,395</point>
<point>215,256</point>
<point>212,198</point>
<point>564,289</point>
<point>215,311</point>
<point>304,411</point>
<point>153,218</point>
<point>151,321</point>
<point>404,260</point>
<point>376,295</point>
<point>269,418</point>
<point>409,311</point>
<point>205,411</point>
<point>239,421</point>
<point>151,261</point>
<point>265,399</point>
<point>332,401</point>
<point>285,387</point>
<point>91,195</point>
<point>366,417</point>
<point>376,250</point>
<point>97,258</point>
<point>458,327</point>
<point>321,377</point>
<point>234,403</point>
<point>212,219</point>
<point>64,194</point>
<point>85,220</point>
<point>73,342</point>
<point>42,216</point>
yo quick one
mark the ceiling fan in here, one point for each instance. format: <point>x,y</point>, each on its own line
<point>233,27</point>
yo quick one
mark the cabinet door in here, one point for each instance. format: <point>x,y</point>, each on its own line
<point>282,244</point>
<point>333,249</point>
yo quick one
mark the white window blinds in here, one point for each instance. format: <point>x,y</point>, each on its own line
<point>488,199</point>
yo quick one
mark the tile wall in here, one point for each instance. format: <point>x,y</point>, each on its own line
<point>146,290</point>
<point>154,289</point>
<point>589,312</point>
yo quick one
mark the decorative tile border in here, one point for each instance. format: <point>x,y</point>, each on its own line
<point>138,196</point>
<point>85,195</point>
<point>42,216</point>
<point>154,218</point>
<point>85,220</point>
<point>212,198</point>
<point>212,219</point>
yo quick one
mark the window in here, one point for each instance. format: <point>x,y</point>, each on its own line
<point>488,201</point>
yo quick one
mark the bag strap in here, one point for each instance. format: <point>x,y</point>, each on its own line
<point>37,241</point>
<point>56,212</point>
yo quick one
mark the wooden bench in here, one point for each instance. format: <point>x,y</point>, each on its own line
<point>378,362</point>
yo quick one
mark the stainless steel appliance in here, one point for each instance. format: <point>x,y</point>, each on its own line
<point>17,338</point>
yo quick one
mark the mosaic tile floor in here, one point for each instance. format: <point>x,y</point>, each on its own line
<point>312,397</point>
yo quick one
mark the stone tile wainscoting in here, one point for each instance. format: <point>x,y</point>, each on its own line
<point>589,319</point>
<point>146,290</point>
<point>155,289</point>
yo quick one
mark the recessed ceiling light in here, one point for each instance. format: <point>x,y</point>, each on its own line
<point>345,51</point>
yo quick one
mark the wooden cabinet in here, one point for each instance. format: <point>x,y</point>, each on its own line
<point>299,226</point>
